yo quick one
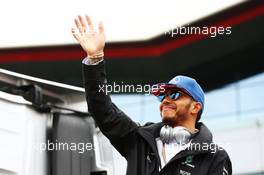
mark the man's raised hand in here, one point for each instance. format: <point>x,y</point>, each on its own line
<point>91,41</point>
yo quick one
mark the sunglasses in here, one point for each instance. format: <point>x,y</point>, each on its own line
<point>172,95</point>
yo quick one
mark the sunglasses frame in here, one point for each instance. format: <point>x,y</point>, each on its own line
<point>174,95</point>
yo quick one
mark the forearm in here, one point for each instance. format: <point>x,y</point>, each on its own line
<point>112,121</point>
<point>94,78</point>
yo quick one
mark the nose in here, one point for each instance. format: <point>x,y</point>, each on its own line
<point>166,100</point>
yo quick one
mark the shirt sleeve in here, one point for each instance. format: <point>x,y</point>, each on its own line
<point>113,122</point>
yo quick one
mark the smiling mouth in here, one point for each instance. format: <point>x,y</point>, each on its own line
<point>168,107</point>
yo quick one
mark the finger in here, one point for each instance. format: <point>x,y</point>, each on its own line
<point>78,25</point>
<point>82,23</point>
<point>89,22</point>
<point>101,27</point>
<point>74,33</point>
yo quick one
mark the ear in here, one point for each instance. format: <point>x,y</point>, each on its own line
<point>196,107</point>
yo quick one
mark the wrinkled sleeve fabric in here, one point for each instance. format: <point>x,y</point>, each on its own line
<point>113,122</point>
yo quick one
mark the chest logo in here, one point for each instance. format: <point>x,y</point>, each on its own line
<point>188,161</point>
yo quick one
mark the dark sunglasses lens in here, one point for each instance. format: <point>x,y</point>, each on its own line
<point>174,95</point>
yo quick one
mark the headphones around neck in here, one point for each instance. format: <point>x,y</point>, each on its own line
<point>178,134</point>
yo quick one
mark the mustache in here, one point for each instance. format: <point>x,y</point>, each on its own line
<point>168,104</point>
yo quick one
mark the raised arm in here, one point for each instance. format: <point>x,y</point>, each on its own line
<point>114,123</point>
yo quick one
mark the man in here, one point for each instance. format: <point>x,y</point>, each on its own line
<point>177,145</point>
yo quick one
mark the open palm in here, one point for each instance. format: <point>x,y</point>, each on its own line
<point>91,41</point>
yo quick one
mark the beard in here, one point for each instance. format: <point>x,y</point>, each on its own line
<point>176,119</point>
<point>169,121</point>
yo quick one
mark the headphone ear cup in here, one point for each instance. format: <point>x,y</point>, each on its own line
<point>178,134</point>
<point>164,134</point>
<point>170,133</point>
<point>181,135</point>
